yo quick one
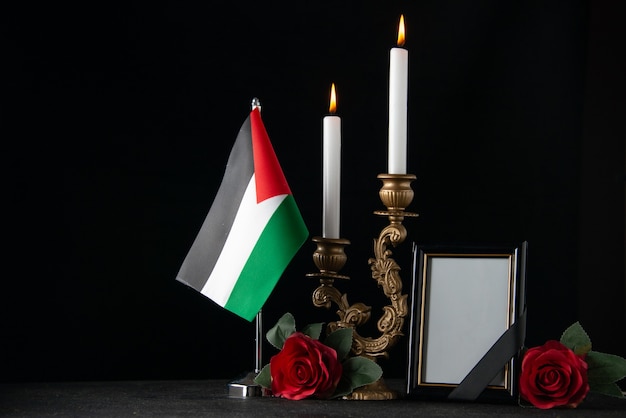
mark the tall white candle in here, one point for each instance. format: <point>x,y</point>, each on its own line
<point>331,170</point>
<point>398,92</point>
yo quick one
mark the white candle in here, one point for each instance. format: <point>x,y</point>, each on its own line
<point>398,92</point>
<point>331,170</point>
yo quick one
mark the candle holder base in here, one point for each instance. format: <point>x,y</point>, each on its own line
<point>329,257</point>
<point>377,391</point>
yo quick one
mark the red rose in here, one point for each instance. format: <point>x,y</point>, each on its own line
<point>304,367</point>
<point>552,375</point>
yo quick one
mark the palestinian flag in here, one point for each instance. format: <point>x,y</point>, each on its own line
<point>252,231</point>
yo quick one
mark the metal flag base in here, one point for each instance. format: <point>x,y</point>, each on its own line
<point>245,387</point>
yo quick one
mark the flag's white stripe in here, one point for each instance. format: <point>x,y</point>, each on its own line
<point>248,225</point>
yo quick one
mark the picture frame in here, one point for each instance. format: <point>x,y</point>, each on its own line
<point>467,324</point>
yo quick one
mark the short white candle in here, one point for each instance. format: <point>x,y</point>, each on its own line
<point>331,170</point>
<point>398,93</point>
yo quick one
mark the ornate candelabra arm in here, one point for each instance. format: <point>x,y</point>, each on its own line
<point>329,257</point>
<point>396,194</point>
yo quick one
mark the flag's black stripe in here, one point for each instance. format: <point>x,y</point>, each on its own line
<point>208,245</point>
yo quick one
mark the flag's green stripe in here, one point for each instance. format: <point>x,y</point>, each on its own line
<point>280,240</point>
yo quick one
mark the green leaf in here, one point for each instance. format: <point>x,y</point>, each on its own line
<point>264,378</point>
<point>343,388</point>
<point>341,341</point>
<point>605,368</point>
<point>576,339</point>
<point>357,372</point>
<point>285,326</point>
<point>361,371</point>
<point>313,330</point>
<point>609,389</point>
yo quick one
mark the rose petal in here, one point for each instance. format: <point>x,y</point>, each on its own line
<point>304,367</point>
<point>553,375</point>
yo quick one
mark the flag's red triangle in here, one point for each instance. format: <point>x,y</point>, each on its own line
<point>270,180</point>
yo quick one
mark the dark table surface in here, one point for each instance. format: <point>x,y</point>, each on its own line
<point>209,398</point>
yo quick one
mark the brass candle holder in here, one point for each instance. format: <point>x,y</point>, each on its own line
<point>329,257</point>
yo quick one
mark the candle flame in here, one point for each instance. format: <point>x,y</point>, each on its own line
<point>333,99</point>
<point>401,31</point>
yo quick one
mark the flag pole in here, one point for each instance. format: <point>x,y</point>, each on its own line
<point>246,386</point>
<point>258,362</point>
<point>258,365</point>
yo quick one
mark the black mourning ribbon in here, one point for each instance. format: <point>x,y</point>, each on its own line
<point>492,362</point>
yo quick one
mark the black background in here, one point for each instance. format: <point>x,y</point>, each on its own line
<point>118,121</point>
